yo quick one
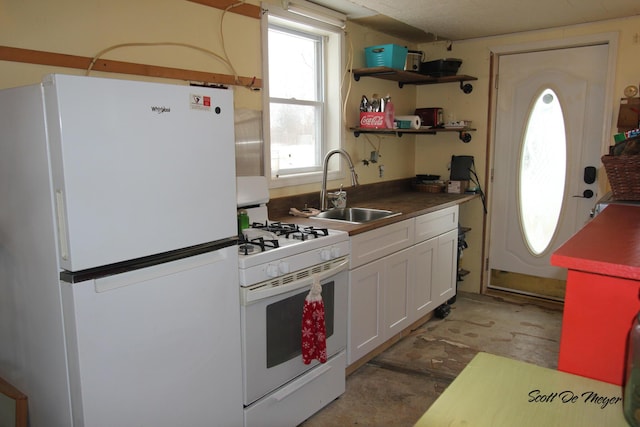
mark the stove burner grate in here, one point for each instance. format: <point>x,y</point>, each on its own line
<point>247,246</point>
<point>291,231</point>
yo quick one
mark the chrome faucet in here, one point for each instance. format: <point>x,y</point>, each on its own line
<point>323,190</point>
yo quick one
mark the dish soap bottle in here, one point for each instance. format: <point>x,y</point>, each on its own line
<point>389,113</point>
<point>631,392</point>
<point>243,221</point>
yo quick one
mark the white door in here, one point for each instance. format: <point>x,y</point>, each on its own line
<point>537,197</point>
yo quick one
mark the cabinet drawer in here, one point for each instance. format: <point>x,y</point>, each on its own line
<point>374,244</point>
<point>299,399</point>
<point>436,223</point>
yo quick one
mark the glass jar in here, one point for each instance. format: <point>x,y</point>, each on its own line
<point>631,393</point>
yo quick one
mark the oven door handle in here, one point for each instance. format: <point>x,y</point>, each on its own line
<point>249,295</point>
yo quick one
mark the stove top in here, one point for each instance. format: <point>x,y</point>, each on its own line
<point>263,237</point>
<point>271,249</point>
<point>260,244</point>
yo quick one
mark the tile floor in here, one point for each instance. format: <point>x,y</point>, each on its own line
<point>395,388</point>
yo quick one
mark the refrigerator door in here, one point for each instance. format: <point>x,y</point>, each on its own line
<point>158,346</point>
<point>138,168</point>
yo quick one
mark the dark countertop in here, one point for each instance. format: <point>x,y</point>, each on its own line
<point>396,196</point>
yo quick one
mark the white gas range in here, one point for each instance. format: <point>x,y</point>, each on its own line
<point>278,263</point>
<point>271,251</point>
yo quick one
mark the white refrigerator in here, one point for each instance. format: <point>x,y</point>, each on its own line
<point>119,301</point>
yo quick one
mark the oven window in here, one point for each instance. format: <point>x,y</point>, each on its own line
<point>284,325</point>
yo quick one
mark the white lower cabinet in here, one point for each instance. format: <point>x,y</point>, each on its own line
<point>399,279</point>
<point>399,273</point>
<point>365,329</point>
<point>426,255</point>
<point>444,280</point>
<point>380,301</point>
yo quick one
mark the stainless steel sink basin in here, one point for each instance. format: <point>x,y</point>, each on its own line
<point>355,215</point>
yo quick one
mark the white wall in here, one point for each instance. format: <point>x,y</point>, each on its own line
<point>85,27</point>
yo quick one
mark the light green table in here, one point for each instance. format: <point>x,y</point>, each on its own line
<point>494,391</point>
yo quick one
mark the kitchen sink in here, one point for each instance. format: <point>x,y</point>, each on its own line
<point>355,215</point>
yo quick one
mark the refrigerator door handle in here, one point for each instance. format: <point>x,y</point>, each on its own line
<point>61,216</point>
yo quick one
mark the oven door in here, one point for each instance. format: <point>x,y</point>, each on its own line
<point>271,331</point>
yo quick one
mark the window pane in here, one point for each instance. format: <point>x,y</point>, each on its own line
<point>542,172</point>
<point>303,69</point>
<point>293,136</point>
<point>293,65</point>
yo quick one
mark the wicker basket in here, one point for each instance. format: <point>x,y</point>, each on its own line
<point>624,176</point>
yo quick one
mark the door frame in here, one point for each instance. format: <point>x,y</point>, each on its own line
<point>609,38</point>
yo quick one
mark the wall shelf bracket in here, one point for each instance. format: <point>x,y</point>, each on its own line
<point>465,137</point>
<point>466,87</point>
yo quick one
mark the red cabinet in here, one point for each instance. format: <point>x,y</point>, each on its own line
<point>603,293</point>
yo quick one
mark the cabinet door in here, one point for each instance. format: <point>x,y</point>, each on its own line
<point>425,268</point>
<point>444,284</point>
<point>399,276</point>
<point>366,293</point>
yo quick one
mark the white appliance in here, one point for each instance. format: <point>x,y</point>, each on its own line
<point>278,264</point>
<point>118,253</point>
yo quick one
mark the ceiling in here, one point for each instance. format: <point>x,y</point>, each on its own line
<point>429,20</point>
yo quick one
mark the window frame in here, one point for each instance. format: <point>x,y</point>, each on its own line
<point>331,87</point>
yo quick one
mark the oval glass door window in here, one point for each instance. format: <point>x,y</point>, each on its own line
<point>542,172</point>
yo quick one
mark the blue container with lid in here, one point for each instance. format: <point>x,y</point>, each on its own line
<point>386,55</point>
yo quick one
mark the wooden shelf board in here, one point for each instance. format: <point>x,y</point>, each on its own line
<point>409,131</point>
<point>407,77</point>
<point>81,62</point>
<point>249,10</point>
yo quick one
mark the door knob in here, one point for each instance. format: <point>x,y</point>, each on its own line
<point>586,194</point>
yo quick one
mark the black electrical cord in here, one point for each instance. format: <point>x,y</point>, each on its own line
<point>476,181</point>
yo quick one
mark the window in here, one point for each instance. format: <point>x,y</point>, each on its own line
<point>303,64</point>
<point>542,172</point>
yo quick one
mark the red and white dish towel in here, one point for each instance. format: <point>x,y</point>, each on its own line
<point>314,334</point>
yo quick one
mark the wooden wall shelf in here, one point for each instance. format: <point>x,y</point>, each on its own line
<point>412,77</point>
<point>249,10</point>
<point>463,133</point>
<point>81,62</point>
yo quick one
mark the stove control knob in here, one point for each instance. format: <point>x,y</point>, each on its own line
<point>283,267</point>
<point>335,252</point>
<point>325,254</point>
<point>272,270</point>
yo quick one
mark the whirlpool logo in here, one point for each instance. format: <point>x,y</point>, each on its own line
<point>160,110</point>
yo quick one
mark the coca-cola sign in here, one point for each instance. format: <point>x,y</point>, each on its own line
<point>372,120</point>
